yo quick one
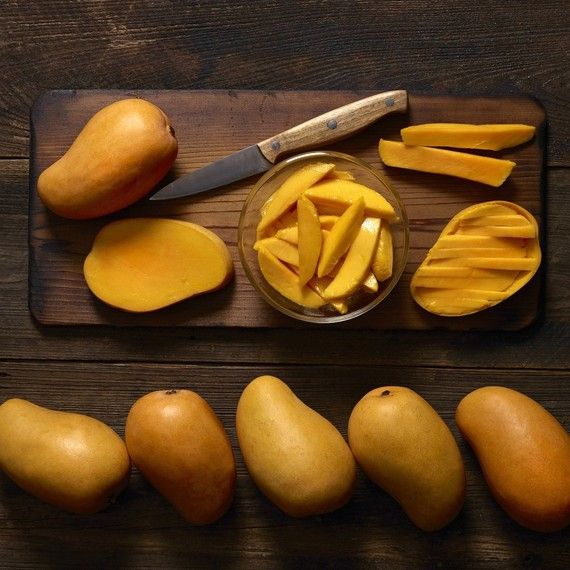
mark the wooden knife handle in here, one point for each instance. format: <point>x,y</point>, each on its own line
<point>334,125</point>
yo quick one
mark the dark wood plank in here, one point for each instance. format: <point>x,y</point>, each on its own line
<point>142,530</point>
<point>542,346</point>
<point>213,124</point>
<point>475,47</point>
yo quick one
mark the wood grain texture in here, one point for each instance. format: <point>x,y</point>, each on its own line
<point>213,124</point>
<point>142,530</point>
<point>477,47</point>
<point>542,346</point>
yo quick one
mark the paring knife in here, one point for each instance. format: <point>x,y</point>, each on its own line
<point>327,128</point>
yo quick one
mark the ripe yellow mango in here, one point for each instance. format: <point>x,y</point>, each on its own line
<point>341,237</point>
<point>296,457</point>
<point>69,460</point>
<point>333,197</point>
<point>485,254</point>
<point>356,266</point>
<point>310,238</point>
<point>524,453</point>
<point>120,155</point>
<point>491,171</point>
<point>404,446</point>
<point>288,193</point>
<point>460,135</point>
<point>285,281</point>
<point>179,444</point>
<point>144,264</point>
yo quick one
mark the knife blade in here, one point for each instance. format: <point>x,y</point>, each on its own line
<point>330,127</point>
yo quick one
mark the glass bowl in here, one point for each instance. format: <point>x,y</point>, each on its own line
<point>360,302</point>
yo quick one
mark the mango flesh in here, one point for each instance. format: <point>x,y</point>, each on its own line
<point>304,244</point>
<point>524,453</point>
<point>296,457</point>
<point>310,238</point>
<point>404,446</point>
<point>485,254</point>
<point>460,135</point>
<point>490,171</point>
<point>181,447</point>
<point>123,151</point>
<point>145,264</point>
<point>288,193</point>
<point>69,460</point>
<point>383,262</point>
<point>356,266</point>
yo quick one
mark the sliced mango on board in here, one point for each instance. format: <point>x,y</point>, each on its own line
<point>490,171</point>
<point>459,135</point>
<point>464,273</point>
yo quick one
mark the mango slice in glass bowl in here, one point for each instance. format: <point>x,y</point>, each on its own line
<point>322,237</point>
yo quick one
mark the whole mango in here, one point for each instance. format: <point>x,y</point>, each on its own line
<point>69,460</point>
<point>296,457</point>
<point>179,444</point>
<point>123,151</point>
<point>404,446</point>
<point>524,453</point>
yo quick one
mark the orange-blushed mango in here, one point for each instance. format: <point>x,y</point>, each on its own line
<point>123,151</point>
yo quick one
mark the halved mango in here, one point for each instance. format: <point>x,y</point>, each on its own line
<point>286,196</point>
<point>491,171</point>
<point>459,135</point>
<point>356,266</point>
<point>341,237</point>
<point>464,273</point>
<point>383,262</point>
<point>335,196</point>
<point>144,264</point>
<point>310,239</point>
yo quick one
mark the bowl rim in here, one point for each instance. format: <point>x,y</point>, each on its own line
<point>403,221</point>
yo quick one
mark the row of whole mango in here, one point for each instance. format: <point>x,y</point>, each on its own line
<point>296,457</point>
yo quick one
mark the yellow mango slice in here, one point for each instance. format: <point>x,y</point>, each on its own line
<point>383,262</point>
<point>491,171</point>
<point>286,220</point>
<point>466,272</point>
<point>319,284</point>
<point>144,264</point>
<point>291,235</point>
<point>356,266</point>
<point>288,193</point>
<point>370,283</point>
<point>340,175</point>
<point>281,249</point>
<point>341,237</point>
<point>310,239</point>
<point>327,222</point>
<point>335,196</point>
<point>286,282</point>
<point>458,135</point>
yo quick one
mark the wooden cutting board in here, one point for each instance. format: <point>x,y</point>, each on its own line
<point>212,124</point>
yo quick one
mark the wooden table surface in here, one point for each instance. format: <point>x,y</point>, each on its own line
<point>460,48</point>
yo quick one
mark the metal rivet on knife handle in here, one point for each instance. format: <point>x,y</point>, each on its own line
<point>347,120</point>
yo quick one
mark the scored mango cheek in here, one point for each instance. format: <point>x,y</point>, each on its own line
<point>485,254</point>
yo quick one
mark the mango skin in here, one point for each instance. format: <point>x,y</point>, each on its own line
<point>524,453</point>
<point>72,461</point>
<point>404,446</point>
<point>179,444</point>
<point>123,151</point>
<point>296,457</point>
